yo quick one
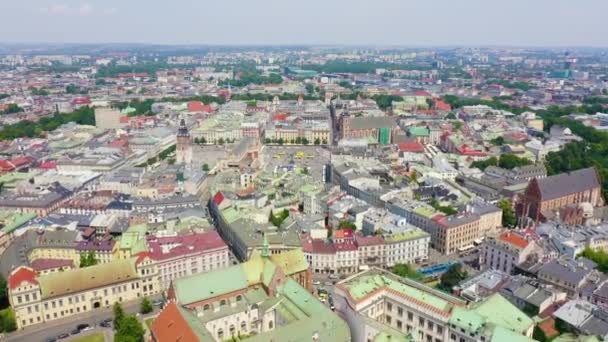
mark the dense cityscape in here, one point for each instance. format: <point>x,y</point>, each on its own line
<point>175,193</point>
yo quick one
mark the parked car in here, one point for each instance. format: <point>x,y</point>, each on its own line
<point>84,327</point>
<point>158,303</point>
<point>51,339</point>
<point>62,336</point>
<point>316,282</point>
<point>106,323</point>
<point>75,331</point>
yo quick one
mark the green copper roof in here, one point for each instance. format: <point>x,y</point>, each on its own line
<point>499,311</point>
<point>205,285</point>
<point>418,131</point>
<point>368,284</point>
<point>13,220</point>
<point>467,319</point>
<point>501,334</point>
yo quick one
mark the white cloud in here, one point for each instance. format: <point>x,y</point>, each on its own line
<point>83,10</point>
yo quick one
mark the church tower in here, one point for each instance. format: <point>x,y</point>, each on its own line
<point>184,145</point>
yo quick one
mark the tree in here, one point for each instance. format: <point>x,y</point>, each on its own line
<point>457,125</point>
<point>3,293</point>
<point>407,271</point>
<point>203,140</point>
<point>453,276</point>
<point>304,141</point>
<point>483,164</point>
<point>598,256</point>
<point>509,161</point>
<point>205,167</point>
<point>145,306</point>
<point>129,329</point>
<point>119,315</point>
<point>280,141</point>
<point>88,259</point>
<point>267,141</point>
<point>498,141</point>
<point>451,116</point>
<point>8,323</point>
<point>344,224</point>
<point>71,89</point>
<point>317,141</point>
<point>508,214</point>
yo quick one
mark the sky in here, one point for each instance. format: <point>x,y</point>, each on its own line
<point>333,22</point>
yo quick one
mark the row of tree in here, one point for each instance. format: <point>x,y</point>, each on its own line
<point>30,129</point>
<point>506,161</point>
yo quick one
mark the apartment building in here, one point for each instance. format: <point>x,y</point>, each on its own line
<point>505,251</point>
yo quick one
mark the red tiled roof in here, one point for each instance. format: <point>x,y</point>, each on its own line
<point>5,165</point>
<point>21,275</point>
<point>186,244</point>
<point>81,100</point>
<point>198,106</point>
<point>514,239</point>
<point>422,93</point>
<point>440,105</point>
<point>343,234</point>
<point>171,326</point>
<point>218,198</point>
<point>280,117</point>
<point>47,165</point>
<point>21,161</point>
<point>411,146</point>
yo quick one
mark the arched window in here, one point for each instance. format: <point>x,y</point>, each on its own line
<point>244,326</point>
<point>220,334</point>
<point>206,307</point>
<point>222,302</point>
<point>232,329</point>
<point>238,298</point>
<point>270,325</point>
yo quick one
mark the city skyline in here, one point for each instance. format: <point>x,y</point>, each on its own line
<point>542,23</point>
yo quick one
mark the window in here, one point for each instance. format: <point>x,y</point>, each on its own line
<point>389,306</point>
<point>421,322</point>
<point>399,324</point>
<point>220,334</point>
<point>244,326</point>
<point>238,298</point>
<point>222,302</point>
<point>429,325</point>
<point>19,301</point>
<point>206,307</point>
<point>270,325</point>
<point>439,329</point>
<point>388,319</point>
<point>410,316</point>
<point>232,330</point>
<point>453,337</point>
<point>400,312</point>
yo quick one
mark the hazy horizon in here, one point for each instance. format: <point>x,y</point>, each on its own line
<point>390,23</point>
